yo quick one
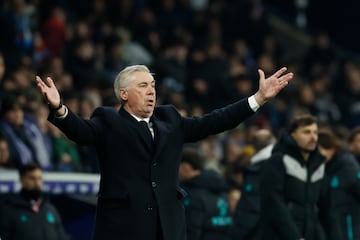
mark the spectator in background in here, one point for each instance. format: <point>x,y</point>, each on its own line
<point>134,53</point>
<point>354,143</point>
<point>29,215</point>
<point>296,199</point>
<point>53,32</point>
<point>5,160</point>
<point>206,205</point>
<point>24,136</point>
<point>247,214</point>
<point>17,23</point>
<point>321,56</point>
<point>66,157</point>
<point>82,65</point>
<point>343,171</point>
<point>2,70</point>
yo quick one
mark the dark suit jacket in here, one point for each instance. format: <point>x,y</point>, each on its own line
<point>140,180</point>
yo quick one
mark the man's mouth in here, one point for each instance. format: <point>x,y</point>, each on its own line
<point>150,102</point>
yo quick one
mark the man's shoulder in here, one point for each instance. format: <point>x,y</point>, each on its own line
<point>165,108</point>
<point>12,200</point>
<point>166,111</point>
<point>105,109</point>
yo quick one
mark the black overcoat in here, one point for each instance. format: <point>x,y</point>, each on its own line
<point>139,180</point>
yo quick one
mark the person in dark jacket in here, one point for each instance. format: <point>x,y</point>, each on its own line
<point>246,224</point>
<point>295,195</point>
<point>344,173</point>
<point>354,143</point>
<point>206,205</point>
<point>29,215</point>
<point>139,149</point>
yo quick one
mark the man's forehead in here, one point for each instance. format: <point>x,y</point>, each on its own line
<point>142,77</point>
<point>310,126</point>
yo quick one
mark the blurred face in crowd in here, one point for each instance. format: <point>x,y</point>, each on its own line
<point>327,153</point>
<point>15,116</point>
<point>32,180</point>
<point>306,137</point>
<point>355,145</point>
<point>4,152</point>
<point>140,95</point>
<point>2,67</point>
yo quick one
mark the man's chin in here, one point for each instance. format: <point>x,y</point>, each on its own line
<point>148,113</point>
<point>309,149</point>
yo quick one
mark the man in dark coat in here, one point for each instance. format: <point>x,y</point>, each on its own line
<point>247,214</point>
<point>139,196</point>
<point>295,195</point>
<point>206,205</point>
<point>344,173</point>
<point>28,215</point>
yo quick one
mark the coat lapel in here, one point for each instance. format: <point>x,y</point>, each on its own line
<point>135,125</point>
<point>161,134</point>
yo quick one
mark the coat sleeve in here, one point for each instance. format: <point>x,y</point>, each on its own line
<point>217,121</point>
<point>81,131</point>
<point>274,210</point>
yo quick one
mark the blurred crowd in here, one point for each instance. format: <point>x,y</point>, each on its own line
<point>204,54</point>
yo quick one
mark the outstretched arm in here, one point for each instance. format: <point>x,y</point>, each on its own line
<point>271,86</point>
<point>50,94</point>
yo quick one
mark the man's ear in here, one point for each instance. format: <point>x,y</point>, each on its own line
<point>124,94</point>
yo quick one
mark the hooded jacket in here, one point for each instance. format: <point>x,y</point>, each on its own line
<point>295,196</point>
<point>206,207</point>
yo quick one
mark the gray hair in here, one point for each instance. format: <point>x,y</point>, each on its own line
<point>123,79</point>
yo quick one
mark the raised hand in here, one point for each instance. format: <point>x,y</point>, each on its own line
<point>271,86</point>
<point>49,91</point>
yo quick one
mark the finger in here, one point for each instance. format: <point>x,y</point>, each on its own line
<point>50,82</point>
<point>261,74</point>
<point>38,80</point>
<point>287,77</point>
<point>40,83</point>
<point>279,72</point>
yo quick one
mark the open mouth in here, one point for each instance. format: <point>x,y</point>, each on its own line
<point>150,102</point>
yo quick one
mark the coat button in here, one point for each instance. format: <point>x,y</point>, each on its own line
<point>153,184</point>
<point>154,164</point>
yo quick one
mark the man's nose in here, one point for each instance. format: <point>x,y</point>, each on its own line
<point>151,90</point>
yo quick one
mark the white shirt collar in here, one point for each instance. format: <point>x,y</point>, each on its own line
<point>141,119</point>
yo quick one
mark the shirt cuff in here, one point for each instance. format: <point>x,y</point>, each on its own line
<point>253,104</point>
<point>63,116</point>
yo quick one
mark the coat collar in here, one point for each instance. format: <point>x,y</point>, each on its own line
<point>161,129</point>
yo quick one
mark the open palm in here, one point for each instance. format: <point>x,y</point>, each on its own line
<point>49,91</point>
<point>271,86</point>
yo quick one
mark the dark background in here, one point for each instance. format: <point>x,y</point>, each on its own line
<point>341,19</point>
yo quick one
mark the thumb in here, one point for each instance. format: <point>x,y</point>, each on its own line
<point>261,74</point>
